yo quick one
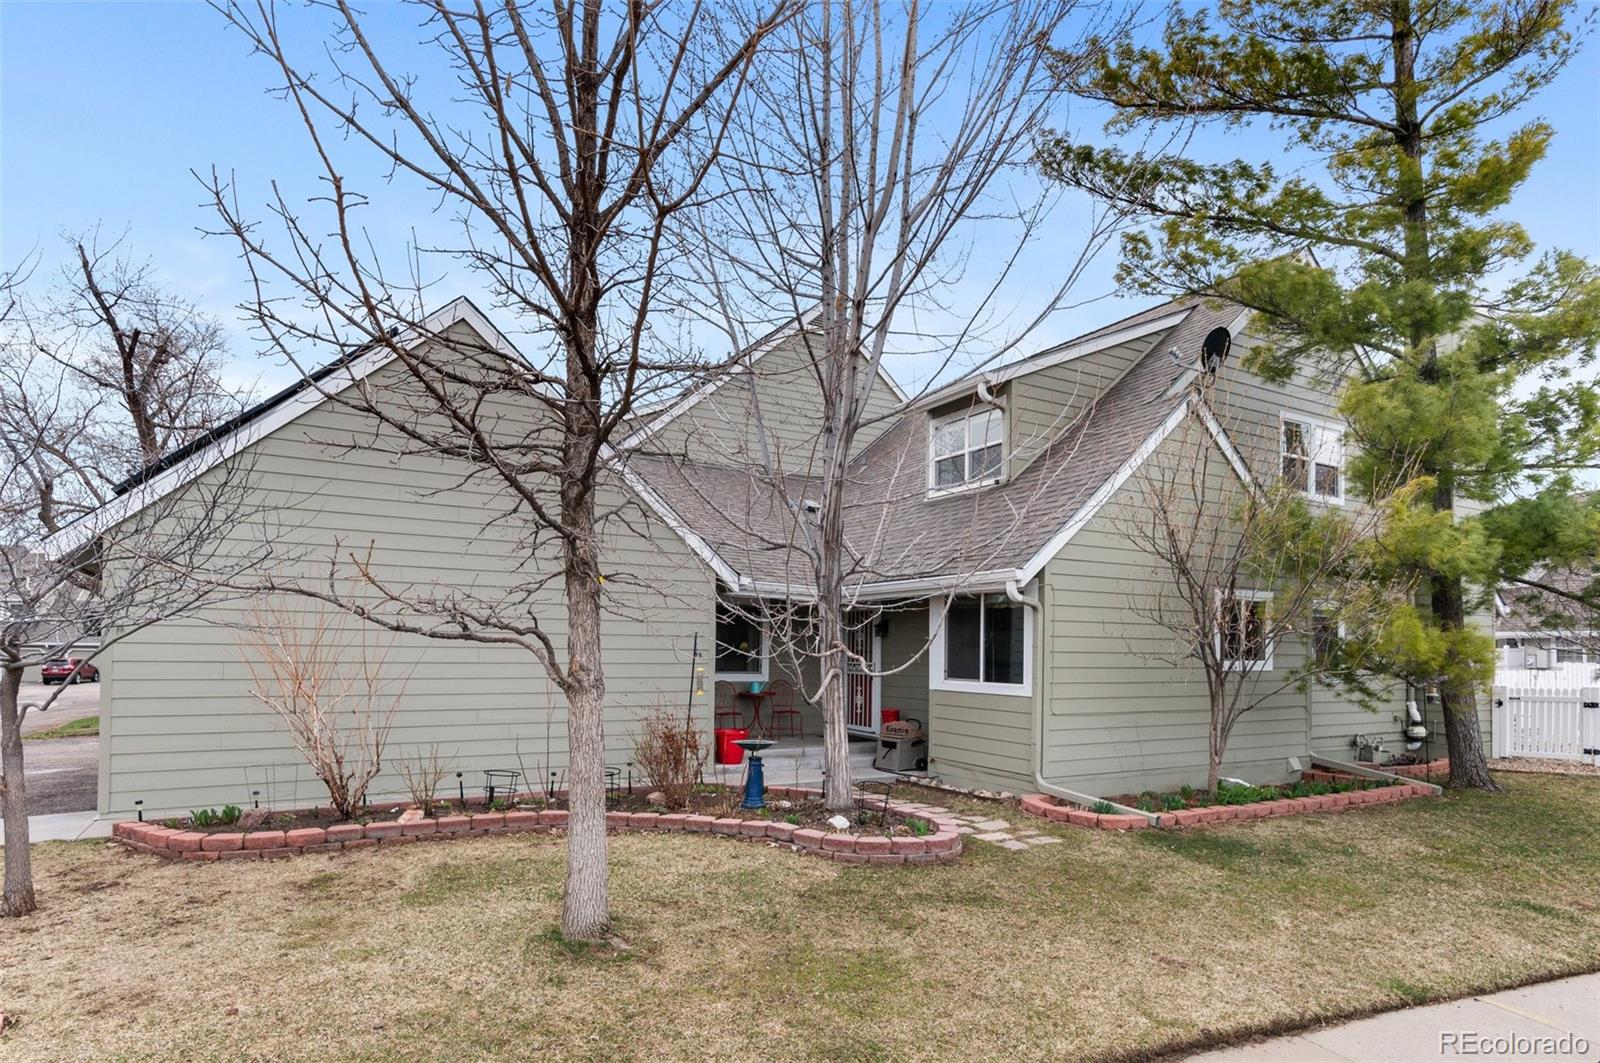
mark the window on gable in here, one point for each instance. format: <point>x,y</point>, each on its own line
<point>1242,626</point>
<point>1312,458</point>
<point>966,449</point>
<point>982,642</point>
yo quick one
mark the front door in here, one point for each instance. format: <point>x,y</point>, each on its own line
<point>860,684</point>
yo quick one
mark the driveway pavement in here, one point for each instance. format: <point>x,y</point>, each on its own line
<point>1555,1021</point>
<point>62,773</point>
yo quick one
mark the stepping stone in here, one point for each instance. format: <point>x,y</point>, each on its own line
<point>962,828</point>
<point>1044,839</point>
<point>1014,846</point>
<point>993,824</point>
<point>993,836</point>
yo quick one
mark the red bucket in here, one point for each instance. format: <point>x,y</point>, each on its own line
<point>890,715</point>
<point>727,751</point>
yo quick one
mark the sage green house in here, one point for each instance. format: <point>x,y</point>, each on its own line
<point>994,598</point>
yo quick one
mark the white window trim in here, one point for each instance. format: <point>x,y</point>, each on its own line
<point>936,677</point>
<point>1262,665</point>
<point>935,491</point>
<point>1338,627</point>
<point>743,677</point>
<point>1319,425</point>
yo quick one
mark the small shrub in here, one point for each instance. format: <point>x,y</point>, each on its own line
<point>1171,802</point>
<point>792,817</point>
<point>423,771</point>
<point>230,814</point>
<point>1103,808</point>
<point>671,755</point>
<point>204,817</point>
<point>919,827</point>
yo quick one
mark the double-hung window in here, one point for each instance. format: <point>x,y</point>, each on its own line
<point>1243,624</point>
<point>1311,455</point>
<point>966,450</point>
<point>982,643</point>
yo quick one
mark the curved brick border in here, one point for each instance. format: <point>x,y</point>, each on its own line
<point>1050,808</point>
<point>941,846</point>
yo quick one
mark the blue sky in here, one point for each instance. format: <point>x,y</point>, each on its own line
<point>105,108</point>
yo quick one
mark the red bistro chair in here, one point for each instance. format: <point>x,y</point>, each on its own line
<point>728,707</point>
<point>781,711</point>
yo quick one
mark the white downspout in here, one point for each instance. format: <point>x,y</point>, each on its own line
<point>1042,673</point>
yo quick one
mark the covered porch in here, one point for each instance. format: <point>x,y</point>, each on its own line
<point>765,684</point>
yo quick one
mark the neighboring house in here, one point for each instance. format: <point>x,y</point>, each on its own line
<point>1544,639</point>
<point>992,591</point>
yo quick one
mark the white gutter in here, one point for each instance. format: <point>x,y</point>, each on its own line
<point>1014,593</point>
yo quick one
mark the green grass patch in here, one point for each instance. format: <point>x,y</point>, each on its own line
<point>1227,851</point>
<point>85,727</point>
<point>1106,945</point>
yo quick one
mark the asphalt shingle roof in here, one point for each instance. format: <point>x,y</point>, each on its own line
<point>893,528</point>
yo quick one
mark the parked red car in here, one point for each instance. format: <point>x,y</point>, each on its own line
<point>58,670</point>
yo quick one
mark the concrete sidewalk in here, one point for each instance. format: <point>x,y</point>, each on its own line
<point>67,827</point>
<point>1553,1021</point>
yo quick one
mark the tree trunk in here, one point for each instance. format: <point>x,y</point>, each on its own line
<point>1468,767</point>
<point>1218,745</point>
<point>585,915</point>
<point>19,898</point>
<point>837,784</point>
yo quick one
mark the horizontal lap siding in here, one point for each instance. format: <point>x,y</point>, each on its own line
<point>1041,404</point>
<point>980,740</point>
<point>905,648</point>
<point>1119,721</point>
<point>182,731</point>
<point>720,428</point>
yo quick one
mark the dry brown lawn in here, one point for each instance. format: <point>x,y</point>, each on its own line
<point>1104,945</point>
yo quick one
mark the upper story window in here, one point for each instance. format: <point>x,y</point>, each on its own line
<point>966,450</point>
<point>1312,457</point>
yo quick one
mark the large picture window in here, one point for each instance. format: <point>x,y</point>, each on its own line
<point>982,643</point>
<point>966,450</point>
<point>1311,454</point>
<point>741,646</point>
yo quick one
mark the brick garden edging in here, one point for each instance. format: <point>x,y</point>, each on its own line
<point>941,846</point>
<point>1048,807</point>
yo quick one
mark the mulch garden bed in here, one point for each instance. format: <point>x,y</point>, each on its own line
<point>1315,792</point>
<point>895,833</point>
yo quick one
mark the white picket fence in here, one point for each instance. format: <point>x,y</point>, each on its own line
<point>1558,723</point>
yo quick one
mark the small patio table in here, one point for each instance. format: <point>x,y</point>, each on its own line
<point>757,698</point>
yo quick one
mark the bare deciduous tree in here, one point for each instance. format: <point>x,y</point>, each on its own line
<point>570,137</point>
<point>1250,577</point>
<point>104,372</point>
<point>319,671</point>
<point>876,149</point>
